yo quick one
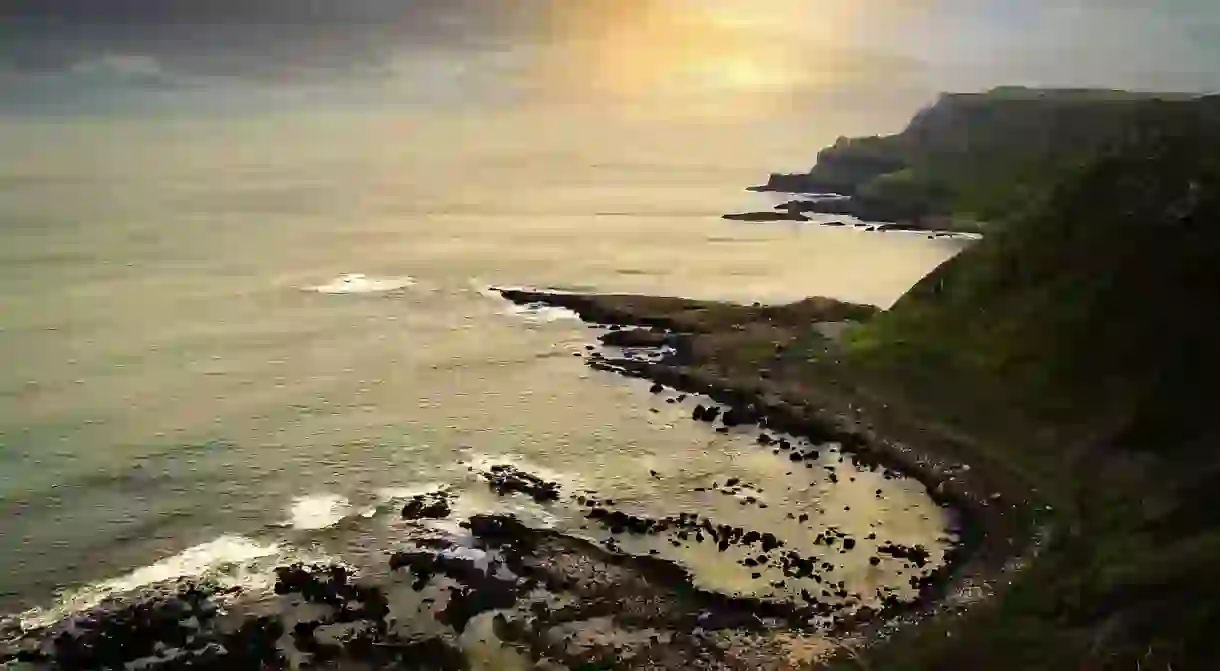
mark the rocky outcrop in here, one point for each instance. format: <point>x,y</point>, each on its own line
<point>433,505</point>
<point>766,216</point>
<point>506,479</point>
<point>970,156</point>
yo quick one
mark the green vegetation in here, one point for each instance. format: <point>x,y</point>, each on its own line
<point>987,156</point>
<point>1070,358</point>
<point>1090,322</point>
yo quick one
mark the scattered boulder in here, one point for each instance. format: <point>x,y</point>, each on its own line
<point>635,338</point>
<point>433,505</point>
<point>766,216</point>
<point>507,479</point>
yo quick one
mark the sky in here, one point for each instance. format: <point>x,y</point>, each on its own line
<point>672,57</point>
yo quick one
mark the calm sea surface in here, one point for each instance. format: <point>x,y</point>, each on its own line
<point>220,340</point>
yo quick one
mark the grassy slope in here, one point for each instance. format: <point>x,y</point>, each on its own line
<point>982,156</point>
<point>1092,322</point>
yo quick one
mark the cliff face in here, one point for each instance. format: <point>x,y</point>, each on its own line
<point>1109,275</point>
<point>981,156</point>
<point>1096,314</point>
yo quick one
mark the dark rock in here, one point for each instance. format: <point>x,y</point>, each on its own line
<point>506,479</point>
<point>427,506</point>
<point>635,338</point>
<point>918,555</point>
<point>766,216</point>
<point>166,628</point>
<point>431,654</point>
<point>736,417</point>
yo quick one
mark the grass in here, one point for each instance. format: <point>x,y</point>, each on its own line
<point>1071,359</point>
<point>1091,325</point>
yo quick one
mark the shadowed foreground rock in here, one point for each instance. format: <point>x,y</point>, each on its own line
<point>537,595</point>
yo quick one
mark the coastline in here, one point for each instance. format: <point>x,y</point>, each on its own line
<point>873,214</point>
<point>686,341</point>
<point>371,613</point>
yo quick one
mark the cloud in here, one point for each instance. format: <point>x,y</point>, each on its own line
<point>253,38</point>
<point>121,66</point>
<point>768,54</point>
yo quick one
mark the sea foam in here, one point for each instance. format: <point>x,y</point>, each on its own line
<point>317,511</point>
<point>359,283</point>
<point>230,561</point>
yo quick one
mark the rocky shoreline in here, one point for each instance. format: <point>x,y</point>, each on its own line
<point>698,349</point>
<point>875,214</point>
<point>505,595</point>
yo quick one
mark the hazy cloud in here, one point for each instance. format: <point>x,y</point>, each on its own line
<point>778,52</point>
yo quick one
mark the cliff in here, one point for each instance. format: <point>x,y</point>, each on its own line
<point>1090,323</point>
<point>974,156</point>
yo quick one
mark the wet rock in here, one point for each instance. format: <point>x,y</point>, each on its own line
<point>917,555</point>
<point>506,479</point>
<point>766,216</point>
<point>423,565</point>
<point>429,654</point>
<point>427,506</point>
<point>737,417</point>
<point>165,628</point>
<point>635,338</point>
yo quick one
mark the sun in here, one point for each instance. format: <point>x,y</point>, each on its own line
<point>658,51</point>
<point>744,73</point>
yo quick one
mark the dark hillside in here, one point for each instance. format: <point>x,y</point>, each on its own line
<point>975,156</point>
<point>1096,319</point>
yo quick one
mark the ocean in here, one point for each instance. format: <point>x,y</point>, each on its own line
<point>230,343</point>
